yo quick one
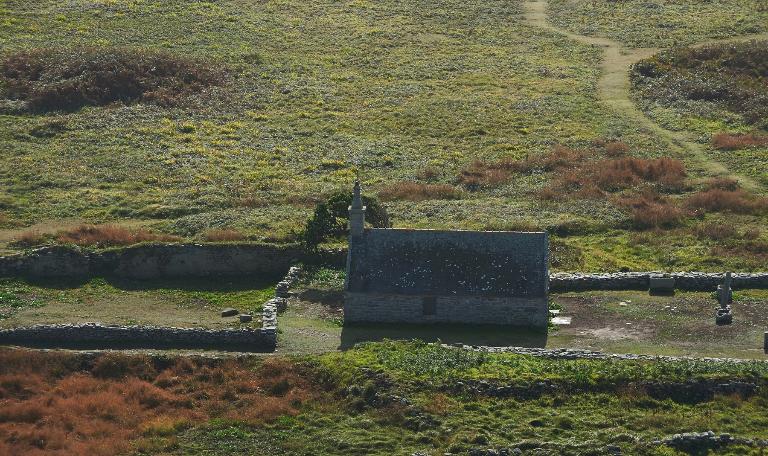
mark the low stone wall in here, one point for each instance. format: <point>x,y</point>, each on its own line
<point>162,261</point>
<point>97,335</point>
<point>154,261</point>
<point>691,281</point>
<point>578,353</point>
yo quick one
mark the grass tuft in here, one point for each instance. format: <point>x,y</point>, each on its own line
<point>725,141</point>
<point>416,191</point>
<point>110,235</point>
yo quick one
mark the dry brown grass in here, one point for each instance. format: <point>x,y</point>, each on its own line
<point>717,231</point>
<point>595,179</point>
<point>725,141</point>
<point>416,191</point>
<point>736,201</point>
<point>651,210</point>
<point>223,235</point>
<point>616,149</point>
<point>722,183</point>
<point>29,239</point>
<point>59,404</point>
<point>576,174</point>
<point>110,235</point>
<point>480,174</point>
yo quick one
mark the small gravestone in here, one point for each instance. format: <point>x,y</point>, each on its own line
<point>245,318</point>
<point>661,285</point>
<point>723,315</point>
<point>229,312</point>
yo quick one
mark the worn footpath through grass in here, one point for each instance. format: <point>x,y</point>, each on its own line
<point>614,91</point>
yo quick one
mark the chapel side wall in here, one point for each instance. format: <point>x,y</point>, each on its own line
<point>387,308</point>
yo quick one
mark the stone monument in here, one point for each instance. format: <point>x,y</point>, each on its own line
<point>723,314</point>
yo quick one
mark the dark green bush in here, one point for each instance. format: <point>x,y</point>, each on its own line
<point>330,218</point>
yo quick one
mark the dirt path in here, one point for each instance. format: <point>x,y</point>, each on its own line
<point>613,90</point>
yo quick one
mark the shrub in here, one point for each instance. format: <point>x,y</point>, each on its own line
<point>98,407</point>
<point>415,191</point>
<point>330,218</point>
<point>722,183</point>
<point>725,141</point>
<point>736,201</point>
<point>110,235</point>
<point>616,149</point>
<point>717,231</point>
<point>428,174</point>
<point>223,235</point>
<point>651,210</point>
<point>479,175</point>
<point>69,79</point>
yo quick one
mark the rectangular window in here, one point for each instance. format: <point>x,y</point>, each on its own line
<point>429,305</point>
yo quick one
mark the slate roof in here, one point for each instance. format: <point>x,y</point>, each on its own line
<point>439,263</point>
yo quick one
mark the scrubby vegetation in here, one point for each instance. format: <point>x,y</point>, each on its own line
<point>379,399</point>
<point>68,79</point>
<point>713,82</point>
<point>417,191</point>
<point>94,236</point>
<point>60,404</point>
<point>725,141</point>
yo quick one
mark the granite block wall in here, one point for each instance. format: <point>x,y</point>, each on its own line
<point>388,308</point>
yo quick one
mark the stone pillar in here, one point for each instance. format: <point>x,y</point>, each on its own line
<point>724,291</point>
<point>356,213</point>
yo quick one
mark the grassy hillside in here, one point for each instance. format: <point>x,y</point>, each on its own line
<point>661,23</point>
<point>315,93</point>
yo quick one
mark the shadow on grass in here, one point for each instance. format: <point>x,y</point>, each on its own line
<point>490,335</point>
<point>210,284</point>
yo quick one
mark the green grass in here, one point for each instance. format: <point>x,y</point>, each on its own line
<point>597,406</point>
<point>168,303</point>
<point>641,23</point>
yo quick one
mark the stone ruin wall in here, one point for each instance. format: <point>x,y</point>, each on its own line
<point>198,260</point>
<point>263,339</point>
<point>689,281</point>
<point>153,261</point>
